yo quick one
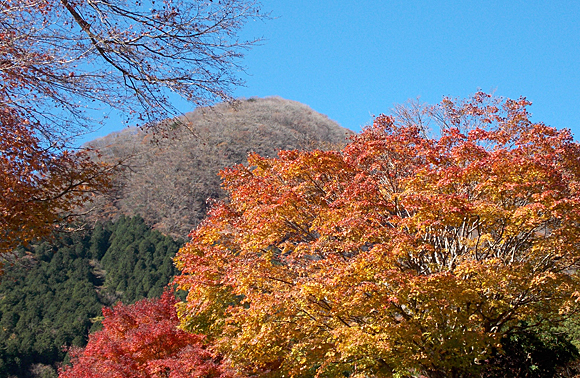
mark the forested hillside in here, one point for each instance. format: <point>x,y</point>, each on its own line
<point>168,179</point>
<point>53,294</point>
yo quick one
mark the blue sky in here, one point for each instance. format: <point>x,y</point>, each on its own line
<point>354,59</point>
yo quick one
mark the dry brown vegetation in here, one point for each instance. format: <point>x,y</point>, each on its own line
<point>169,180</point>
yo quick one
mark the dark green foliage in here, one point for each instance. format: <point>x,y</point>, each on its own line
<point>138,262</point>
<point>52,296</point>
<point>529,354</point>
<point>47,301</point>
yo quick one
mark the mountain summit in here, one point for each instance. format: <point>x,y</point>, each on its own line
<point>169,180</point>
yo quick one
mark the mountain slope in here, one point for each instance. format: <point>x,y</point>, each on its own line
<point>169,180</point>
<point>53,293</point>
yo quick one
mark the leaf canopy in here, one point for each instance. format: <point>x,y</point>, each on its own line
<point>407,252</point>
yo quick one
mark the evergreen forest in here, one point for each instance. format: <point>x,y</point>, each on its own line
<point>52,295</point>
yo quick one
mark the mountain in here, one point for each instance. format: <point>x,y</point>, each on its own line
<point>168,179</point>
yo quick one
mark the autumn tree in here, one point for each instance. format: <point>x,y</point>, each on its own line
<point>140,341</point>
<point>406,253</point>
<point>67,64</point>
<point>39,186</point>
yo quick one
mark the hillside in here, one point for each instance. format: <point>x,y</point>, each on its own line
<point>53,294</point>
<point>169,180</point>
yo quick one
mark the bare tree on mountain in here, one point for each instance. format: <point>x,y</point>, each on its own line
<point>170,181</point>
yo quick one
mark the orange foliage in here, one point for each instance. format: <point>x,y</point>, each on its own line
<point>402,253</point>
<point>143,341</point>
<point>39,186</point>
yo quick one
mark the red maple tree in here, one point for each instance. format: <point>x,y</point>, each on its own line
<point>142,340</point>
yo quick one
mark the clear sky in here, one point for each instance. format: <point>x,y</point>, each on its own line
<point>354,59</point>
